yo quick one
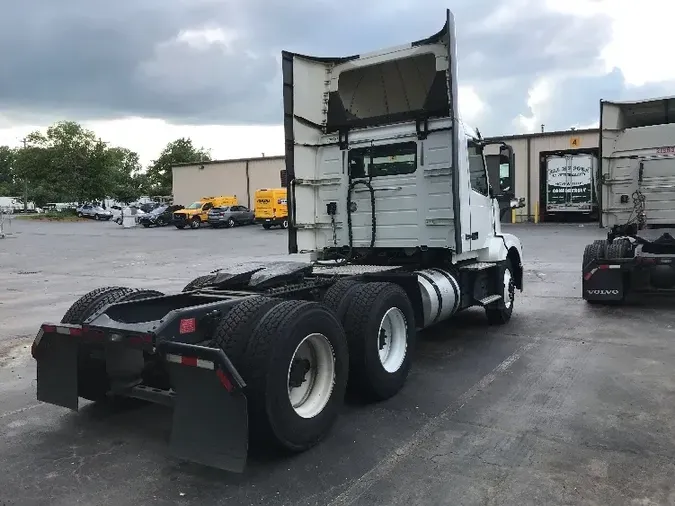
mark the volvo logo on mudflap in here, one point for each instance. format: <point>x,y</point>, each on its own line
<point>602,292</point>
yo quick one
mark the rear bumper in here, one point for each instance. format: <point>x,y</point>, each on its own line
<point>210,417</point>
<point>271,221</point>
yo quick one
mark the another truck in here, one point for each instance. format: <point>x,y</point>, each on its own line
<point>393,228</point>
<point>637,146</point>
<point>196,214</point>
<point>271,207</point>
<point>570,184</point>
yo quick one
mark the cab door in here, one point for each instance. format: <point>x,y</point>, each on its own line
<point>480,201</point>
<point>204,215</point>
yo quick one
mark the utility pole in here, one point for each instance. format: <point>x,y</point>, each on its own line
<point>25,185</point>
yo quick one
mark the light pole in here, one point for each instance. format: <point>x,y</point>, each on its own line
<point>25,184</point>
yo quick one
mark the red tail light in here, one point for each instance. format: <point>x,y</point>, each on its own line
<point>187,325</point>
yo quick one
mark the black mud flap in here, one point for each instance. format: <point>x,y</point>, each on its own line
<point>603,282</point>
<point>56,357</point>
<point>210,418</point>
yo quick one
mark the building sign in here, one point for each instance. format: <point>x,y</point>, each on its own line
<point>666,150</point>
<point>575,142</point>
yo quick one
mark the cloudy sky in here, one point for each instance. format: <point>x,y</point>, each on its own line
<point>144,72</point>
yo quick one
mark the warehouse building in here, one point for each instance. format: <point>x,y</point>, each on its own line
<point>240,177</point>
<point>531,152</point>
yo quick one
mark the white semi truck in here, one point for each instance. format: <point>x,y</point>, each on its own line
<point>637,146</point>
<point>390,195</point>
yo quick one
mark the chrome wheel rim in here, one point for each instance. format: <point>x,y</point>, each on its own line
<point>311,375</point>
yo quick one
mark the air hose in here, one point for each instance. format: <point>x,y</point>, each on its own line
<point>353,184</point>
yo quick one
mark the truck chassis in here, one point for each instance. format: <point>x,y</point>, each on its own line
<point>265,349</point>
<point>627,263</point>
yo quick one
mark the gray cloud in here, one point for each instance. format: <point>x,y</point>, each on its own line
<point>91,59</point>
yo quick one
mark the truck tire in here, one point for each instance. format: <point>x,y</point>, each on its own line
<point>500,312</point>
<point>92,378</point>
<point>620,248</point>
<point>339,296</point>
<point>195,223</point>
<point>234,329</point>
<point>91,302</point>
<point>593,251</point>
<point>602,247</point>
<point>380,327</point>
<point>198,282</point>
<point>289,408</point>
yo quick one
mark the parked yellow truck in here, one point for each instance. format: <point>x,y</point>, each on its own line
<point>196,214</point>
<point>271,207</point>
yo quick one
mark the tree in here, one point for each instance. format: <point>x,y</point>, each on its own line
<point>69,164</point>
<point>7,180</point>
<point>179,151</point>
<point>128,182</point>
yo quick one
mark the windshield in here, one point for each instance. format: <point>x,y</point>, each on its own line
<point>194,205</point>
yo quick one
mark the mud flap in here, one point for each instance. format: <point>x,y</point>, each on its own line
<point>210,417</point>
<point>603,283</point>
<point>56,356</point>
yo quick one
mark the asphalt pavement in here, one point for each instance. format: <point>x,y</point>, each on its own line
<point>567,404</point>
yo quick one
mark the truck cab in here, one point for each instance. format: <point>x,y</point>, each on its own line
<point>379,162</point>
<point>196,214</point>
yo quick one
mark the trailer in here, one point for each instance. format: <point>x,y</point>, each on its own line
<point>570,183</point>
<point>637,203</point>
<point>389,195</point>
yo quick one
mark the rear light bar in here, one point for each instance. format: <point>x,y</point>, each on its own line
<point>202,364</point>
<point>92,333</point>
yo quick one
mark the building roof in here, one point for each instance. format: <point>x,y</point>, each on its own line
<point>552,133</point>
<point>229,160</point>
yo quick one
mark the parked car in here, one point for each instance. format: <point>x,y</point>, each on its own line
<point>230,216</point>
<point>128,210</point>
<point>94,211</point>
<point>159,217</point>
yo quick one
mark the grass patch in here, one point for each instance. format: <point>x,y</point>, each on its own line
<point>51,216</point>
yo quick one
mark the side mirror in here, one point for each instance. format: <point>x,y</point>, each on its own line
<point>506,155</point>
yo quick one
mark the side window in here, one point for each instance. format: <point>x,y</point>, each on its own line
<point>387,160</point>
<point>478,175</point>
<point>207,206</point>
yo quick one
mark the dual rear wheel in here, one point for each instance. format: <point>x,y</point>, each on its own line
<point>298,358</point>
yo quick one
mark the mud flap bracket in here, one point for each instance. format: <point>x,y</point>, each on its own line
<point>210,415</point>
<point>56,356</point>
